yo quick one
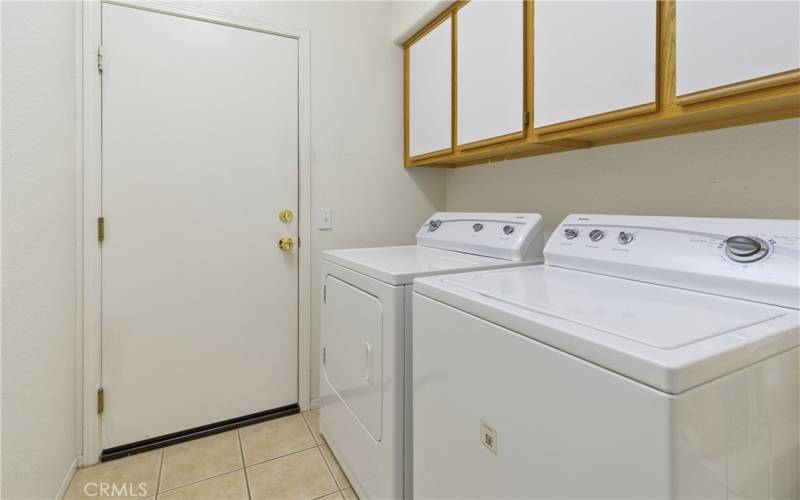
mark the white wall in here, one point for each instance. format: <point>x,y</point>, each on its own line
<point>39,248</point>
<point>751,171</point>
<point>409,16</point>
<point>356,131</point>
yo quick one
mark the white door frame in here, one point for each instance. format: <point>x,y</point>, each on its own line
<point>90,193</point>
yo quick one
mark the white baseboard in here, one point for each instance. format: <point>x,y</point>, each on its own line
<point>62,490</point>
<point>315,403</point>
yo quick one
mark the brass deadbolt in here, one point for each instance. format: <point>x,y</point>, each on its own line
<point>285,215</point>
<point>286,243</point>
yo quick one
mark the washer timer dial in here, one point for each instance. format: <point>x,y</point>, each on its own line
<point>746,248</point>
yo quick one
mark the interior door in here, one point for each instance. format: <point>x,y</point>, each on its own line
<point>199,304</point>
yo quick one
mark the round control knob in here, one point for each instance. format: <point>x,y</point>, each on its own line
<point>434,224</point>
<point>570,233</point>
<point>508,229</point>
<point>596,235</point>
<point>477,227</point>
<point>624,238</point>
<point>746,248</point>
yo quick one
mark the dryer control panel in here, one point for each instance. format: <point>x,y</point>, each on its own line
<point>752,259</point>
<point>509,236</point>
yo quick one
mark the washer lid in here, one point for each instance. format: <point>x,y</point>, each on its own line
<point>656,316</point>
<point>400,265</point>
<point>669,338</point>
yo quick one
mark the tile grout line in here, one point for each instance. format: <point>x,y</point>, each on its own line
<point>324,461</point>
<point>160,468</point>
<point>320,445</point>
<point>201,480</point>
<point>244,465</point>
<point>308,426</point>
<point>280,456</point>
<point>330,472</point>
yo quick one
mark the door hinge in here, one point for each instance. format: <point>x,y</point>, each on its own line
<point>100,59</point>
<point>526,118</point>
<point>101,229</point>
<point>325,293</point>
<point>101,401</point>
<point>324,355</point>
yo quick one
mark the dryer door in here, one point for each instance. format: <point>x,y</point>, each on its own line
<point>352,323</point>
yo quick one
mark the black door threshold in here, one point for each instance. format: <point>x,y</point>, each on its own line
<point>198,432</point>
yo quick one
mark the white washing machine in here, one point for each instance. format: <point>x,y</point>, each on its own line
<point>365,334</point>
<point>650,357</point>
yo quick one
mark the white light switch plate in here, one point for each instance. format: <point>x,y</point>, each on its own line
<point>325,219</point>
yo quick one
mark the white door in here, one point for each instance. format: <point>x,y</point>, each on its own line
<point>592,57</point>
<point>490,70</point>
<point>199,305</point>
<point>430,91</point>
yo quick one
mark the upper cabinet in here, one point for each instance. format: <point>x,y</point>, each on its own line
<point>726,48</point>
<point>429,84</point>
<point>592,59</point>
<point>489,80</point>
<point>490,69</point>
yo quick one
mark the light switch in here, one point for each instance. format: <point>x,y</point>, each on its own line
<point>325,219</point>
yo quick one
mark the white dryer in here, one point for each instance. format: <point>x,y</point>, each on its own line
<point>365,334</point>
<point>650,357</point>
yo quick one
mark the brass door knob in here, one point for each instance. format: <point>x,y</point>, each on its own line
<point>286,243</point>
<point>285,215</point>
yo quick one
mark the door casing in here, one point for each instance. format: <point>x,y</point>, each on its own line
<point>89,187</point>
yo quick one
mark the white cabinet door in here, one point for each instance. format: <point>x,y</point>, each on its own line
<point>721,43</point>
<point>430,91</point>
<point>592,57</point>
<point>490,70</point>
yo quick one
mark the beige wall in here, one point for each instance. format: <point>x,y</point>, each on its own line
<point>409,16</point>
<point>751,171</point>
<point>40,335</point>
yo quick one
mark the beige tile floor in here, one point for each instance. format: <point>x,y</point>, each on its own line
<point>285,458</point>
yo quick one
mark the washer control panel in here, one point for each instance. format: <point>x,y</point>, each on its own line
<point>753,259</point>
<point>509,236</point>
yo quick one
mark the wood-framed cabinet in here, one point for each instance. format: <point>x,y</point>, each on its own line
<point>491,82</point>
<point>596,72</point>
<point>429,92</point>
<point>595,61</point>
<point>728,48</point>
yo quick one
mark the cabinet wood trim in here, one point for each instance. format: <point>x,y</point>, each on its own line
<point>454,76</point>
<point>764,82</point>
<point>405,107</point>
<point>610,116</point>
<point>432,154</point>
<point>513,136</point>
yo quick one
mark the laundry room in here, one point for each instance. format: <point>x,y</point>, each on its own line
<point>400,249</point>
